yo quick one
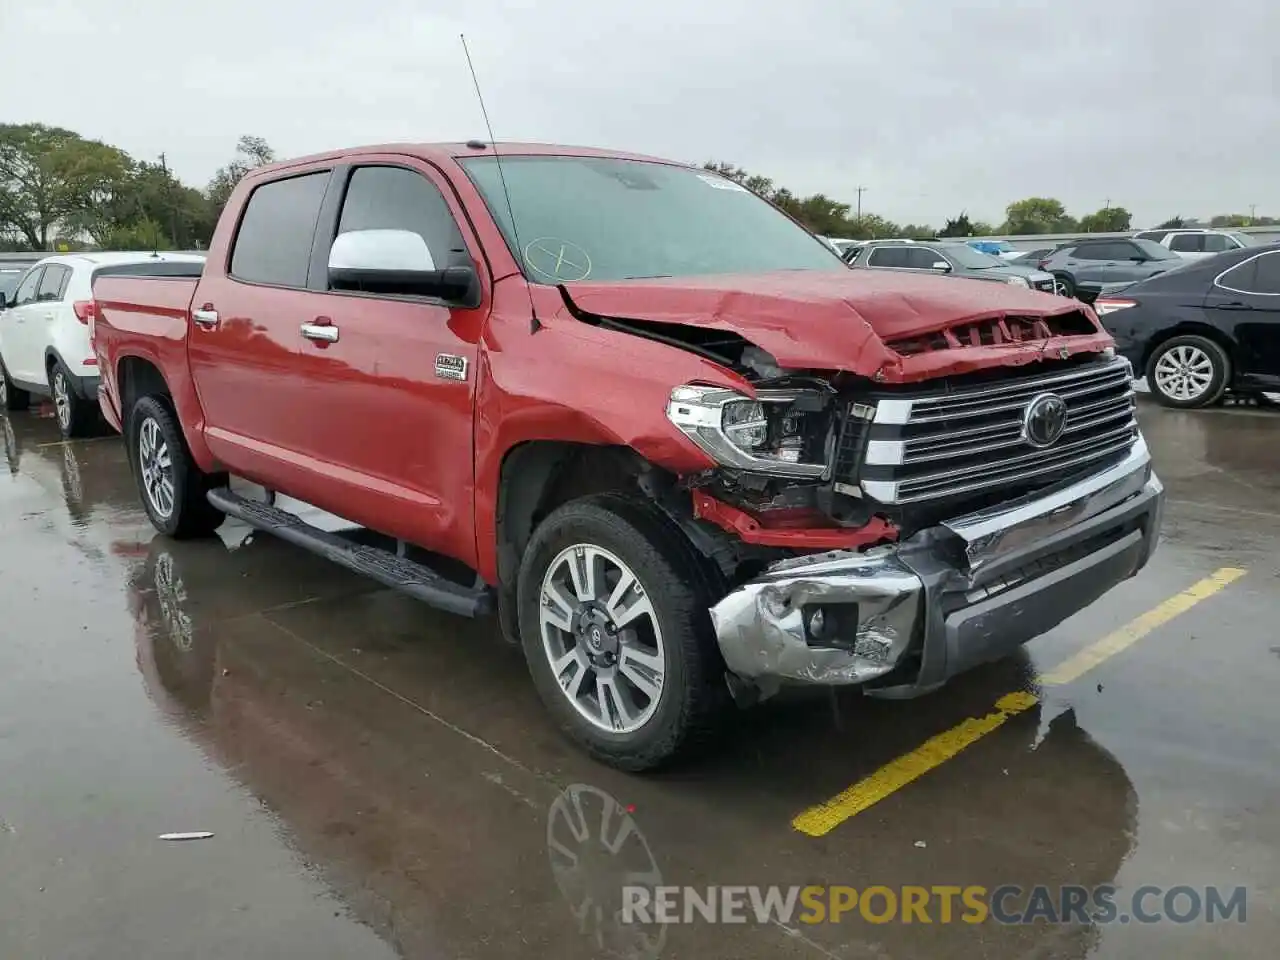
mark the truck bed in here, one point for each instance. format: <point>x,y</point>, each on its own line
<point>143,317</point>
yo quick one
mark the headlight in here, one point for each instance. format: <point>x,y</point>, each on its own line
<point>1018,282</point>
<point>781,432</point>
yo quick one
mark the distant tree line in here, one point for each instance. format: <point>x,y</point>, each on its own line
<point>1034,215</point>
<point>61,191</point>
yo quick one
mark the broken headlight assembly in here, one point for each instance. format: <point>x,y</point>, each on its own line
<point>780,432</point>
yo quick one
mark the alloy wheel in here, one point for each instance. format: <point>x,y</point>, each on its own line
<point>62,399</point>
<point>156,465</point>
<point>601,635</point>
<point>4,389</point>
<point>1184,373</point>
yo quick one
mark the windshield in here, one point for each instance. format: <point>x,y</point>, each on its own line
<point>593,218</point>
<point>968,257</point>
<point>1154,251</point>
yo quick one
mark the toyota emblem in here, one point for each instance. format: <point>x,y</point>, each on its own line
<point>1044,420</point>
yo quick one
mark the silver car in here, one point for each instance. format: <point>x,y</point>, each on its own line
<point>955,259</point>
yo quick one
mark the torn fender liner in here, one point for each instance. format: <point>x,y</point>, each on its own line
<point>809,319</point>
<point>761,626</point>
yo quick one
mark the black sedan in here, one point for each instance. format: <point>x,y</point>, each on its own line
<point>1204,329</point>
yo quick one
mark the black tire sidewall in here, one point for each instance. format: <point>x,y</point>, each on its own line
<point>77,421</point>
<point>1068,284</point>
<point>16,398</point>
<point>676,602</point>
<point>1217,385</point>
<point>150,408</point>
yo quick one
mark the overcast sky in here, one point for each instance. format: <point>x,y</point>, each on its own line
<point>1163,106</point>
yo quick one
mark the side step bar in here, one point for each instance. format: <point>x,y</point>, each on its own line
<point>398,573</point>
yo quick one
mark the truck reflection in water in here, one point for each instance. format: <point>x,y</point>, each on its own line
<point>399,820</point>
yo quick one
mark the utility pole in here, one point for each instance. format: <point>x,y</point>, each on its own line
<point>1253,213</point>
<point>860,191</point>
<point>168,195</point>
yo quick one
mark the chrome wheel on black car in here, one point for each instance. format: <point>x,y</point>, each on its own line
<point>1188,371</point>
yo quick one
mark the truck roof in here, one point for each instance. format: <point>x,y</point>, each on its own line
<point>444,152</point>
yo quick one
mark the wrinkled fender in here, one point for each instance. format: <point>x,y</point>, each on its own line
<point>571,382</point>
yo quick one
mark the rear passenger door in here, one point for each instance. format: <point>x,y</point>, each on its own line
<point>1245,301</point>
<point>20,331</point>
<point>243,344</point>
<point>48,313</point>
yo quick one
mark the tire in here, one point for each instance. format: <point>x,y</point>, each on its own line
<point>678,587</point>
<point>1066,286</point>
<point>77,417</point>
<point>1188,371</point>
<point>11,397</point>
<point>176,502</point>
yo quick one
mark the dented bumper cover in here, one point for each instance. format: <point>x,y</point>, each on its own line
<point>905,618</point>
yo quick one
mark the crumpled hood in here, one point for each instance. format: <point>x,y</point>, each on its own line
<point>841,320</point>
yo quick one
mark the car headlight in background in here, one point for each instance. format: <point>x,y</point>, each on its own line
<point>1018,282</point>
<point>780,432</point>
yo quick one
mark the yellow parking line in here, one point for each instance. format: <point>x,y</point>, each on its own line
<point>870,790</point>
<point>1088,658</point>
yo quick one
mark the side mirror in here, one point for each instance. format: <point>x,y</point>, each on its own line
<point>396,262</point>
<point>941,266</point>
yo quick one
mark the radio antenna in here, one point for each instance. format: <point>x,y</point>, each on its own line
<point>535,325</point>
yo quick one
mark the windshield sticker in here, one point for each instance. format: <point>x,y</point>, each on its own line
<point>720,183</point>
<point>558,260</point>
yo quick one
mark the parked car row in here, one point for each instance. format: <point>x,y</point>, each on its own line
<point>956,259</point>
<point>44,331</point>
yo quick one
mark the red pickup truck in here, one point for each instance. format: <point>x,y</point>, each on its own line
<point>681,450</point>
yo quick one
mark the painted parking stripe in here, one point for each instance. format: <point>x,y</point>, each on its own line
<point>820,820</point>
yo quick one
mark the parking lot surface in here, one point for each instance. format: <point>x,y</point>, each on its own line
<point>380,779</point>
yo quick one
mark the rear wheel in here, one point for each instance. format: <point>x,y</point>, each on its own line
<point>1188,371</point>
<point>614,624</point>
<point>1063,285</point>
<point>172,486</point>
<point>11,397</point>
<point>76,416</point>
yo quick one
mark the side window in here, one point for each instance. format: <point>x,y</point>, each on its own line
<point>887,257</point>
<point>54,282</point>
<point>273,244</point>
<point>923,259</point>
<point>1216,243</point>
<point>27,288</point>
<point>1267,279</point>
<point>1190,243</point>
<point>393,198</point>
<point>1242,277</point>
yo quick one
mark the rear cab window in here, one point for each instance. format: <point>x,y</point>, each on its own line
<point>277,229</point>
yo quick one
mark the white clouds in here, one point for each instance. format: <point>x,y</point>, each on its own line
<point>1163,106</point>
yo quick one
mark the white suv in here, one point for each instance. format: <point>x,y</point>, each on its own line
<point>1194,244</point>
<point>44,334</point>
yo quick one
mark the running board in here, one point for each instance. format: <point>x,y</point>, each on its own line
<point>401,574</point>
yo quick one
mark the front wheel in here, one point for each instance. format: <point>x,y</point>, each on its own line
<point>172,486</point>
<point>1063,285</point>
<point>11,397</point>
<point>614,624</point>
<point>1188,371</point>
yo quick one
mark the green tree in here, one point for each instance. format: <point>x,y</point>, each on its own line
<point>1106,220</point>
<point>957,226</point>
<point>917,231</point>
<point>51,178</point>
<point>1037,215</point>
<point>251,153</point>
<point>1229,220</point>
<point>1173,223</point>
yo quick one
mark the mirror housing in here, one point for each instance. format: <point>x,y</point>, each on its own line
<point>397,263</point>
<point>941,266</point>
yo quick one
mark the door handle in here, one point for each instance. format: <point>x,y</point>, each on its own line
<point>206,317</point>
<point>48,316</point>
<point>1233,305</point>
<point>322,332</point>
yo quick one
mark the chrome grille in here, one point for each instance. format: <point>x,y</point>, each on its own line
<point>970,439</point>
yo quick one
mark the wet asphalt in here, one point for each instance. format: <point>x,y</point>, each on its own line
<point>381,780</point>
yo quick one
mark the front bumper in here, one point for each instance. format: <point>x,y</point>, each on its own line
<point>905,618</point>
